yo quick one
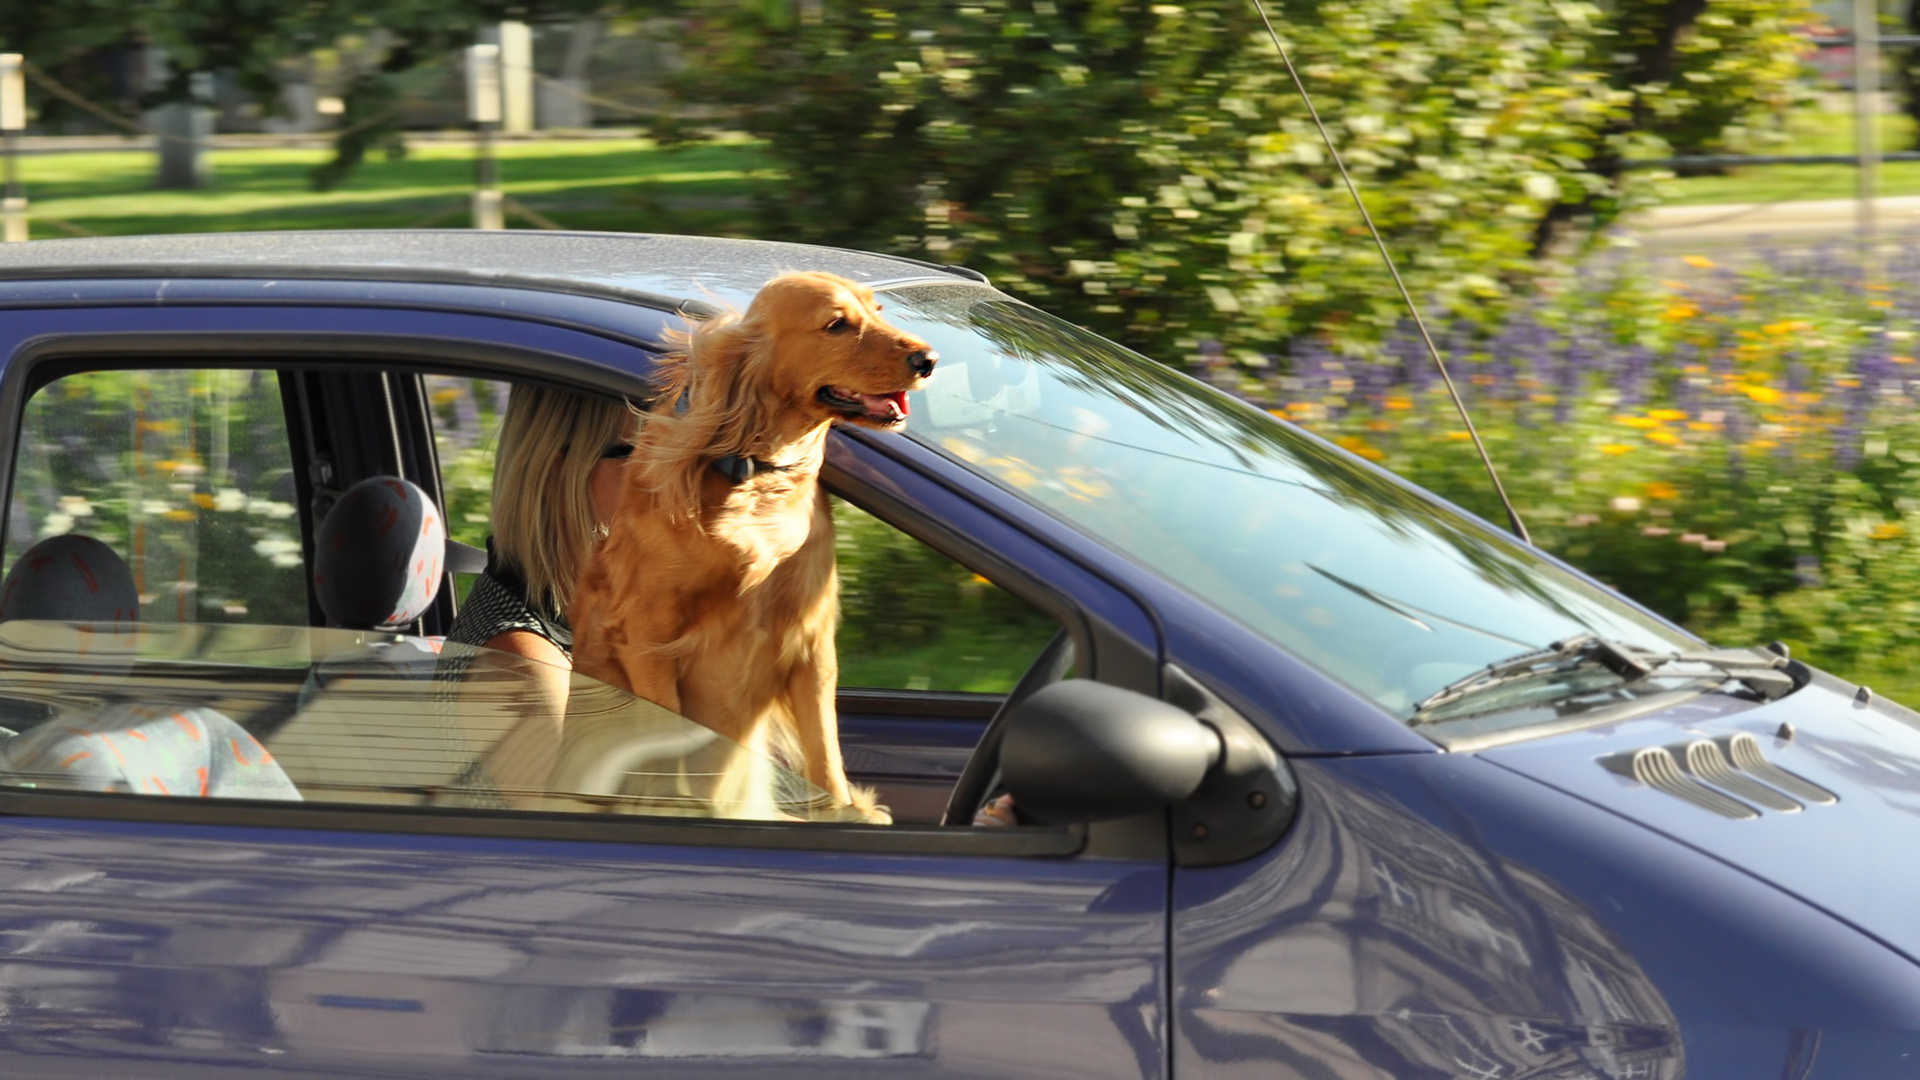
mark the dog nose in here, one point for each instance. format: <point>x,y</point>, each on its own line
<point>922,361</point>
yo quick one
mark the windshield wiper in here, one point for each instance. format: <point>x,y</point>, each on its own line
<point>1565,655</point>
<point>1760,671</point>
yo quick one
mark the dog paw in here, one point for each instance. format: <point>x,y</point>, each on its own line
<point>865,803</point>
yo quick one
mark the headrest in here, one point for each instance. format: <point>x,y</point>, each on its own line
<point>71,578</point>
<point>379,555</point>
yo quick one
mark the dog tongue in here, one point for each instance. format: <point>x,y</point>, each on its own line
<point>894,404</point>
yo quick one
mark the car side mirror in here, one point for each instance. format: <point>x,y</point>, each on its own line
<point>1081,751</point>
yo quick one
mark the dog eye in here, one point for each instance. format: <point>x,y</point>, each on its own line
<point>839,324</point>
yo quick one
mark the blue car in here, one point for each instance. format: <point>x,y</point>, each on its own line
<point>1315,775</point>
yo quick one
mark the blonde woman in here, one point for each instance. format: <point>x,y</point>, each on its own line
<point>556,484</point>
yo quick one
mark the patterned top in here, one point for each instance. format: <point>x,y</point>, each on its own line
<point>498,603</point>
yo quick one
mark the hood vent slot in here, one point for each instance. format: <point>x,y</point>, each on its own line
<point>1705,760</point>
<point>1729,776</point>
<point>1655,767</point>
<point>1744,749</point>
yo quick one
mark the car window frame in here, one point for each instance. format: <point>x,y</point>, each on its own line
<point>1110,654</point>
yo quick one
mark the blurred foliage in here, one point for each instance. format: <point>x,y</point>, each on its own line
<point>913,619</point>
<point>1148,170</point>
<point>1710,78</point>
<point>186,474</point>
<point>1737,448</point>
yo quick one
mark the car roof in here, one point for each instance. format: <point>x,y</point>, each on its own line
<point>660,270</point>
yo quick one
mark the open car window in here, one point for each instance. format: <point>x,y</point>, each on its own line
<point>358,718</point>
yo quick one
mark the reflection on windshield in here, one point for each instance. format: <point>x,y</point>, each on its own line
<point>1354,572</point>
<point>335,716</point>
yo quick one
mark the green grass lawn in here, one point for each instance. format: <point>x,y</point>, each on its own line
<point>1808,132</point>
<point>634,185</point>
<point>624,184</point>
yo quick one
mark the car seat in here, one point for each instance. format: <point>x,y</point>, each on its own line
<point>74,597</point>
<point>143,748</point>
<point>379,560</point>
<point>379,556</point>
<point>70,578</point>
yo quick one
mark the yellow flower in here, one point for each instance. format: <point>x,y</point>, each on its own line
<point>1638,421</point>
<point>1698,262</point>
<point>203,500</point>
<point>1399,403</point>
<point>1667,414</point>
<point>1701,425</point>
<point>1458,436</point>
<point>1887,530</point>
<point>1615,448</point>
<point>1664,438</point>
<point>1765,395</point>
<point>179,515</point>
<point>1680,310</point>
<point>1660,489</point>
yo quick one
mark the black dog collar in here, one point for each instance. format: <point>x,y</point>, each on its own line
<point>740,469</point>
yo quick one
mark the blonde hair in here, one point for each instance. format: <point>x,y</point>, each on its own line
<point>543,525</point>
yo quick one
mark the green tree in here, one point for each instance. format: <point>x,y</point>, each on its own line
<point>88,45</point>
<point>1699,79</point>
<point>1148,169</point>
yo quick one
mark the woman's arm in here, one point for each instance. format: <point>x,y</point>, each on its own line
<point>524,758</point>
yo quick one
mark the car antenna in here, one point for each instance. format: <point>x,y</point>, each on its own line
<point>1513,516</point>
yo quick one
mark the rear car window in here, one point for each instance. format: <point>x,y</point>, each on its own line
<point>187,474</point>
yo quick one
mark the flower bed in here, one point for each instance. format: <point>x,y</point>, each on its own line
<point>1739,448</point>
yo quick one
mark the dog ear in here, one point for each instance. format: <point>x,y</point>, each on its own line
<point>730,382</point>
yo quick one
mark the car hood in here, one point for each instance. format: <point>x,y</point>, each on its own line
<point>1845,815</point>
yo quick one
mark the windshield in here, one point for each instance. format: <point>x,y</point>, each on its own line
<point>1382,588</point>
<point>338,716</point>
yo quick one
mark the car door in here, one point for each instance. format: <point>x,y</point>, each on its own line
<point>179,936</point>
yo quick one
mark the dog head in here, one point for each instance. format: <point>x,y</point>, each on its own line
<point>832,355</point>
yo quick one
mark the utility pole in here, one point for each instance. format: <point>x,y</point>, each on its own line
<point>516,78</point>
<point>1866,112</point>
<point>13,117</point>
<point>483,108</point>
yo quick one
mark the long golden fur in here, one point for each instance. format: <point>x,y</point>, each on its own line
<point>720,600</point>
